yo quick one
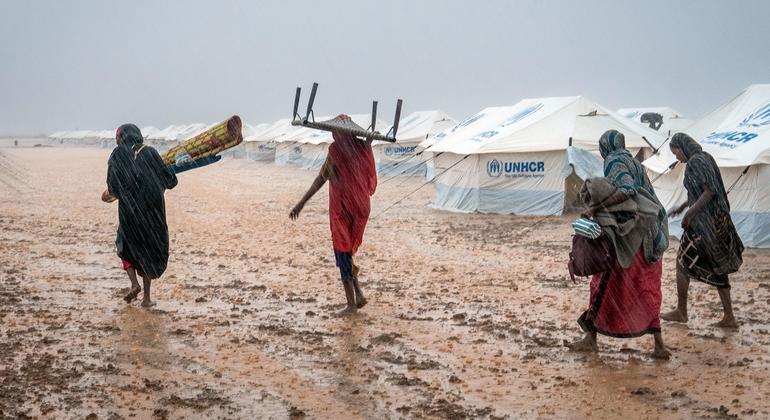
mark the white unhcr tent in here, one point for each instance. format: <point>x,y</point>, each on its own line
<point>257,146</point>
<point>149,131</point>
<point>57,137</point>
<point>191,131</point>
<point>737,135</point>
<point>166,137</point>
<point>106,138</point>
<point>673,120</point>
<point>240,151</point>
<point>520,159</point>
<point>83,138</point>
<point>406,157</point>
<point>302,147</point>
<point>279,136</point>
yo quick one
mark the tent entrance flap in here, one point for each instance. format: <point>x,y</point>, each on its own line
<point>572,186</point>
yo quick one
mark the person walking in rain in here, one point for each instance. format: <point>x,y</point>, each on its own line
<point>625,302</point>
<point>138,179</point>
<point>710,247</point>
<point>352,176</point>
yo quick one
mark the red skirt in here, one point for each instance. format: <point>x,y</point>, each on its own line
<point>128,264</point>
<point>625,302</point>
<point>348,227</point>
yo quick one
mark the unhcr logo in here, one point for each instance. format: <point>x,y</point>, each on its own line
<point>758,118</point>
<point>524,113</point>
<point>399,150</point>
<point>496,168</point>
<point>297,150</point>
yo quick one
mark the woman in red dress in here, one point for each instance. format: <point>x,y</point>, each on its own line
<point>625,302</point>
<point>352,176</point>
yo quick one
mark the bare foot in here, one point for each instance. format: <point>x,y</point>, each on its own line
<point>147,303</point>
<point>674,316</point>
<point>132,294</point>
<point>349,310</point>
<point>585,344</point>
<point>361,301</point>
<point>661,353</point>
<point>727,323</point>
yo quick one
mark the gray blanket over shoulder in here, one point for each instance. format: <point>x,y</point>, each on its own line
<point>628,225</point>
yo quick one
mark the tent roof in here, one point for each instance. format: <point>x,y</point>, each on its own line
<point>273,130</point>
<point>673,120</point>
<point>168,133</point>
<point>191,130</point>
<point>149,131</point>
<point>419,125</point>
<point>250,131</point>
<point>636,113</point>
<point>105,134</point>
<point>736,134</point>
<point>541,124</point>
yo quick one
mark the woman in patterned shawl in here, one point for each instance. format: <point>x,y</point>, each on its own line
<point>710,248</point>
<point>625,302</point>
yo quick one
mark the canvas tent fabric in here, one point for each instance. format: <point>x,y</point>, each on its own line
<point>165,138</point>
<point>167,133</point>
<point>524,159</point>
<point>274,135</point>
<point>260,144</point>
<point>673,120</point>
<point>252,149</point>
<point>149,131</point>
<point>737,135</point>
<point>295,146</point>
<point>406,156</point>
<point>192,130</point>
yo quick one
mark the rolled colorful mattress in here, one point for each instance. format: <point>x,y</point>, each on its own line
<point>207,144</point>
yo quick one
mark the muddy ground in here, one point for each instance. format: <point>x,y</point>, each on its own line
<point>467,315</point>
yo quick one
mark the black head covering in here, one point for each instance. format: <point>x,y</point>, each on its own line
<point>686,144</point>
<point>129,135</point>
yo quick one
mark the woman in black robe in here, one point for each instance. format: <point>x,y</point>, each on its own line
<point>710,247</point>
<point>138,178</point>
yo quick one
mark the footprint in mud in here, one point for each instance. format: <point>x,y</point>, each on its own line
<point>385,339</point>
<point>402,380</point>
<point>205,399</point>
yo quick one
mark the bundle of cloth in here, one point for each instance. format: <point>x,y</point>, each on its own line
<point>629,225</point>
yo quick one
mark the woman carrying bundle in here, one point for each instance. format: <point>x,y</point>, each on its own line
<point>625,302</point>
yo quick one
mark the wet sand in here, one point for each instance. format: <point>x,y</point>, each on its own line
<point>467,314</point>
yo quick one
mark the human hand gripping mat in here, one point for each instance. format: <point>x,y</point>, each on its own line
<point>206,145</point>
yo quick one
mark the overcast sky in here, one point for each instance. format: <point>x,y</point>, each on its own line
<point>74,64</point>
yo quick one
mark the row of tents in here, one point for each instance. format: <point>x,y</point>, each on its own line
<point>288,145</point>
<point>532,157</point>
